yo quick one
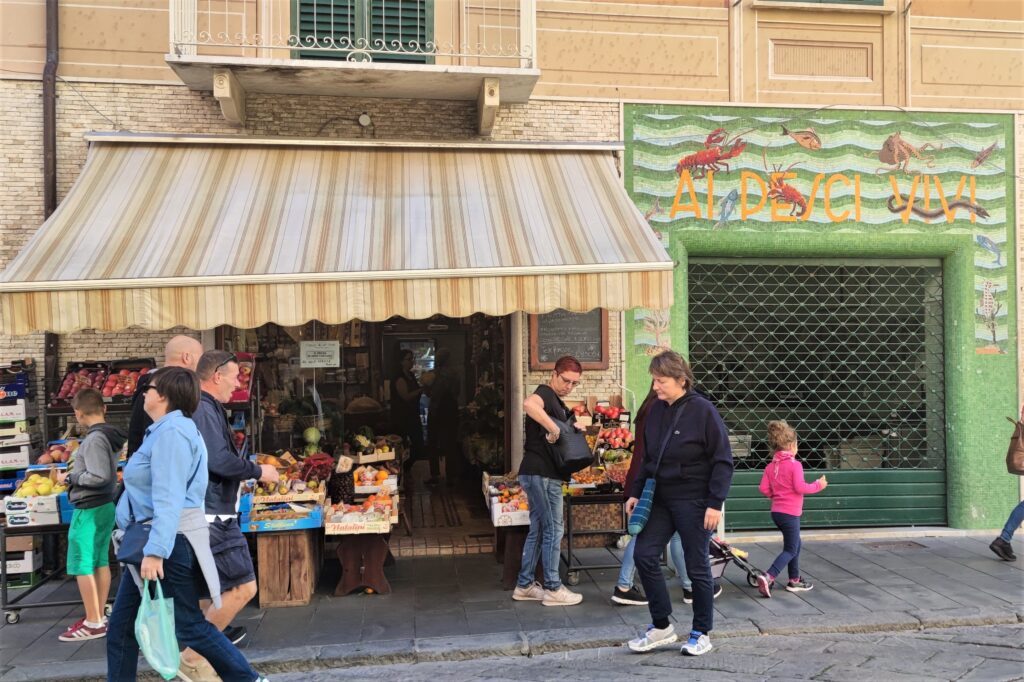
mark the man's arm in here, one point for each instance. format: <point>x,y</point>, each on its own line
<point>223,461</point>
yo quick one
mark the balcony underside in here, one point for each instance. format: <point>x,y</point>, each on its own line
<point>355,79</point>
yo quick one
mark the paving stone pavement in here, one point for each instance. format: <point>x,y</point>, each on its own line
<point>993,653</point>
<point>447,609</point>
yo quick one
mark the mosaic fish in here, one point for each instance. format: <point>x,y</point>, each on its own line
<point>990,246</point>
<point>726,208</point>
<point>983,155</point>
<point>808,139</point>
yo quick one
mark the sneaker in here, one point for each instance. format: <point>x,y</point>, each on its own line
<point>1003,549</point>
<point>532,592</point>
<point>698,644</point>
<point>799,585</point>
<point>201,672</point>
<point>80,632</point>
<point>235,634</point>
<point>563,596</point>
<point>630,597</point>
<point>687,596</point>
<point>764,585</point>
<point>718,590</point>
<point>653,639</point>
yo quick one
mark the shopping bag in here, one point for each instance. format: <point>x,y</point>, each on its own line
<point>571,451</point>
<point>1015,453</point>
<point>642,510</point>
<point>154,630</point>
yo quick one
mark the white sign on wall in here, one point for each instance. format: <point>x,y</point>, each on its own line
<point>320,354</point>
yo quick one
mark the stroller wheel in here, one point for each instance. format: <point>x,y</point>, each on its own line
<point>752,577</point>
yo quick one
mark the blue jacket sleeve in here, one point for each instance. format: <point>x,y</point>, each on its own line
<point>717,439</point>
<point>223,461</point>
<point>171,466</point>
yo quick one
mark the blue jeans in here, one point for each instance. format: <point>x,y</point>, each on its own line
<point>181,572</point>
<point>669,516</point>
<point>544,541</point>
<point>675,553</point>
<point>1013,523</point>
<point>790,555</point>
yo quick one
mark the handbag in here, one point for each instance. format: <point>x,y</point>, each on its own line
<point>1015,453</point>
<point>154,631</point>
<point>136,534</point>
<point>571,451</point>
<point>642,510</point>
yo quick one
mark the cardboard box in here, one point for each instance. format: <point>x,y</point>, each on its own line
<point>22,543</point>
<point>25,563</point>
<point>367,528</point>
<point>390,485</point>
<point>314,520</point>
<point>370,459</point>
<point>19,410</point>
<point>15,457</point>
<point>307,496</point>
<point>41,503</point>
<point>22,519</point>
<point>13,429</point>
<point>516,518</point>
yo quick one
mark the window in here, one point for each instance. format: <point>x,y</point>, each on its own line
<point>388,30</point>
<point>866,3</point>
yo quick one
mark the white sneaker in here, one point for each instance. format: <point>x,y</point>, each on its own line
<point>532,592</point>
<point>653,639</point>
<point>563,596</point>
<point>698,644</point>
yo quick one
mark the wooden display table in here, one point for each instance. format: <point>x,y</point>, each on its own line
<point>363,558</point>
<point>289,566</point>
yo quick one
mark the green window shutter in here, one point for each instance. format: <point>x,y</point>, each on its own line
<point>387,22</point>
<point>400,21</point>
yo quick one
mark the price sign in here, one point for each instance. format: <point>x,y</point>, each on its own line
<point>319,354</point>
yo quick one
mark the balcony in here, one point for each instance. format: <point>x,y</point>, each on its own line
<point>482,50</point>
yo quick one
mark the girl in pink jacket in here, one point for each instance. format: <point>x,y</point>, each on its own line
<point>783,481</point>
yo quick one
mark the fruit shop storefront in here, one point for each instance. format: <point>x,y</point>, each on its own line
<point>852,272</point>
<point>322,265</point>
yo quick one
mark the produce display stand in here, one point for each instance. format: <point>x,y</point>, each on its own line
<point>572,562</point>
<point>12,607</point>
<point>363,551</point>
<point>289,566</point>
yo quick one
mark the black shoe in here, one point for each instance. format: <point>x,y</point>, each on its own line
<point>235,634</point>
<point>718,589</point>
<point>687,596</point>
<point>630,597</point>
<point>1003,549</point>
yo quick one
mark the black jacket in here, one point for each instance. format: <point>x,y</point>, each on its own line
<point>140,421</point>
<point>697,462</point>
<point>228,468</point>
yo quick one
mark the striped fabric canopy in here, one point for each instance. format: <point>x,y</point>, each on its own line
<point>161,231</point>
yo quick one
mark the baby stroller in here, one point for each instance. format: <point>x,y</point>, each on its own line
<point>722,553</point>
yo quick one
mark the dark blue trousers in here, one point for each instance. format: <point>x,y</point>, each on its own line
<point>686,517</point>
<point>790,555</point>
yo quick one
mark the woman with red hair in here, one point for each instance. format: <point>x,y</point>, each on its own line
<point>542,481</point>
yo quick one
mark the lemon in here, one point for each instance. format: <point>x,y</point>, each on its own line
<point>44,488</point>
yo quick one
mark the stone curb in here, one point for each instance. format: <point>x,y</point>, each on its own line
<point>535,643</point>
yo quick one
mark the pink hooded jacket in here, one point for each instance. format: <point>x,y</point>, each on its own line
<point>783,481</point>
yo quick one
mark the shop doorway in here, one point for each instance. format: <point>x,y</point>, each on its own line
<point>851,354</point>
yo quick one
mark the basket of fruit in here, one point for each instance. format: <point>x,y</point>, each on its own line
<point>80,375</point>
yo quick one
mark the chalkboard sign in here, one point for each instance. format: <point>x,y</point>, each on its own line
<point>581,335</point>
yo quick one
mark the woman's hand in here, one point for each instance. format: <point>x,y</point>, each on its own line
<point>552,436</point>
<point>152,568</point>
<point>711,519</point>
<point>631,505</point>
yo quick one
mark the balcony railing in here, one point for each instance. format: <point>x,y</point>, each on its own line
<point>491,33</point>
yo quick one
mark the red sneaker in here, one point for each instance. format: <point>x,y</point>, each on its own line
<point>80,632</point>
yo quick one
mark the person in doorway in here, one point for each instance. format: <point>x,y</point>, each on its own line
<point>218,376</point>
<point>180,351</point>
<point>92,479</point>
<point>691,462</point>
<point>542,482</point>
<point>405,406</point>
<point>1001,545</point>
<point>443,418</point>
<point>783,481</point>
<point>166,482</point>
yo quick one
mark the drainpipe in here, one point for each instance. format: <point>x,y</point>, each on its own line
<point>50,111</point>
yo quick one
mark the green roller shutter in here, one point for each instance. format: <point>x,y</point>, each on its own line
<point>391,24</point>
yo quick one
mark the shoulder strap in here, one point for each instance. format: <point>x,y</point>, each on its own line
<point>667,436</point>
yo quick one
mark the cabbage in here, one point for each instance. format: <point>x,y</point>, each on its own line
<point>311,435</point>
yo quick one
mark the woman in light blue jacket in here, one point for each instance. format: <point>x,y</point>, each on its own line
<point>165,483</point>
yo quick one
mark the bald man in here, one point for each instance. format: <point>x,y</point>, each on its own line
<point>180,351</point>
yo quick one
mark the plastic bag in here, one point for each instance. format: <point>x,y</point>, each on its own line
<point>154,630</point>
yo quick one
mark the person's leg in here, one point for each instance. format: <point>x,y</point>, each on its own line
<point>796,543</point>
<point>231,603</point>
<point>101,553</point>
<point>688,519</point>
<point>551,539</point>
<point>625,579</point>
<point>191,627</point>
<point>122,648</point>
<point>538,521</point>
<point>650,543</point>
<point>1014,522</point>
<point>786,555</point>
<point>103,586</point>
<point>90,598</point>
<point>675,553</point>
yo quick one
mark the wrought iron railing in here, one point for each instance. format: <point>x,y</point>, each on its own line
<point>496,33</point>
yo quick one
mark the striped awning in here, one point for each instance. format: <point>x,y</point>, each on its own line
<point>162,231</point>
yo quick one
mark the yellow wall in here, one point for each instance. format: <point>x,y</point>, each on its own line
<point>942,54</point>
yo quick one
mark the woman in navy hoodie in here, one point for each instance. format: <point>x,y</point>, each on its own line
<point>688,455</point>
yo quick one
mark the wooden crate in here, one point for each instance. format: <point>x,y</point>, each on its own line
<point>288,566</point>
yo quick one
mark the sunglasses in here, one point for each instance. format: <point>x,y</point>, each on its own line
<point>567,382</point>
<point>231,359</point>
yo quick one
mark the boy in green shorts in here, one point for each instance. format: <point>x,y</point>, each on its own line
<point>92,480</point>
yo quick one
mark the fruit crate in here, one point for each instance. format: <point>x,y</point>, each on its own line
<point>246,370</point>
<point>124,377</point>
<point>96,372</point>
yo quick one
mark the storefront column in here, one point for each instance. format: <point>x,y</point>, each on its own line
<point>515,375</point>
